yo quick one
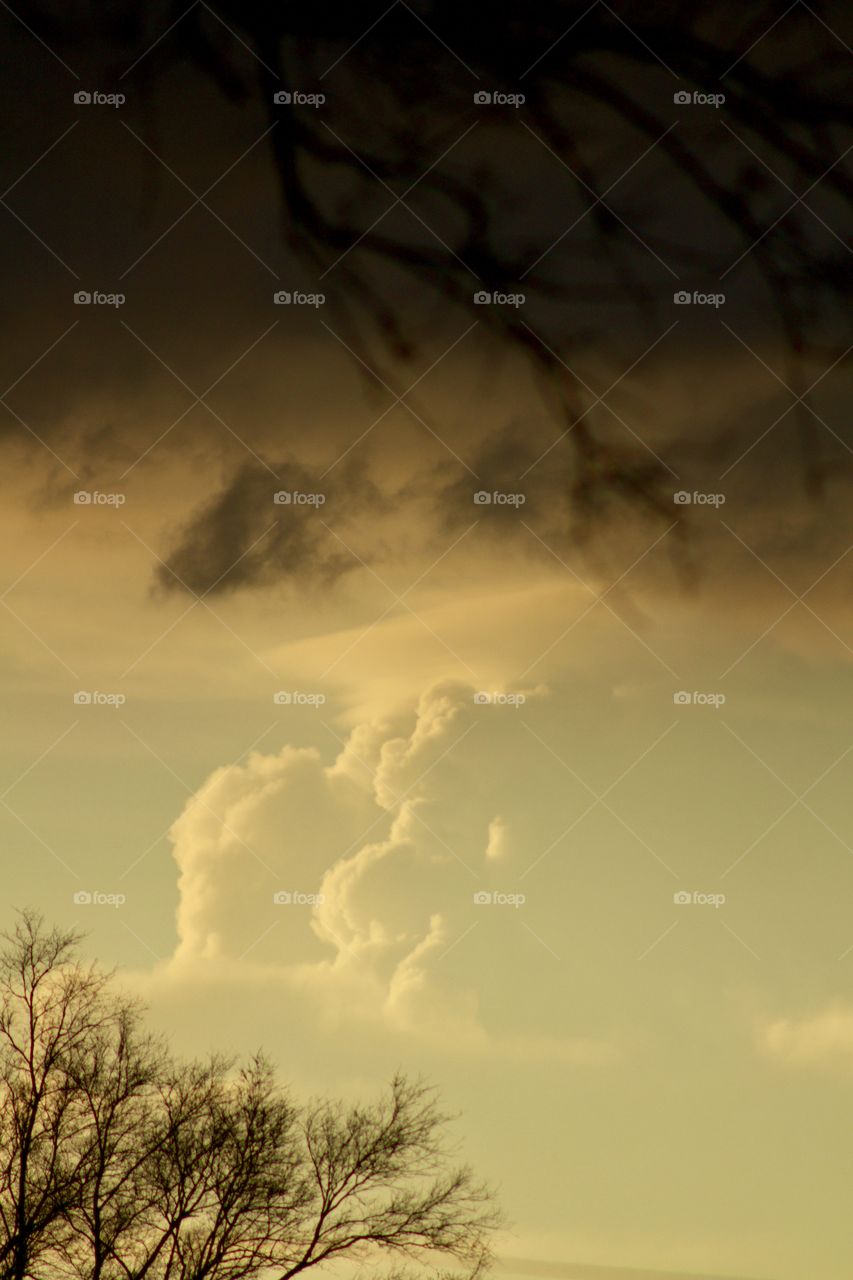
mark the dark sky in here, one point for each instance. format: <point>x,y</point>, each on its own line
<point>398,198</point>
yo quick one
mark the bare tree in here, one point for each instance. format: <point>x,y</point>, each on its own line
<point>119,1163</point>
<point>53,1008</point>
<point>378,1176</point>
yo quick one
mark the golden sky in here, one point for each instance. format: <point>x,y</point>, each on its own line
<point>385,775</point>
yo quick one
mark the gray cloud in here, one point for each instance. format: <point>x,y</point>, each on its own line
<point>244,537</point>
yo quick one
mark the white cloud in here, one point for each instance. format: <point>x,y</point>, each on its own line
<point>824,1040</point>
<point>380,854</point>
<point>498,844</point>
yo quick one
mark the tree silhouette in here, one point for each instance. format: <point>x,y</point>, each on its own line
<point>119,1163</point>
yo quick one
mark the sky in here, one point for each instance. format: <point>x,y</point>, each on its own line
<point>334,717</point>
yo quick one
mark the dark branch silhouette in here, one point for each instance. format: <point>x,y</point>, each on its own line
<point>755,197</point>
<point>119,1163</point>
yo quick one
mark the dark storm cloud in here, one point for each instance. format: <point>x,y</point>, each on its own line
<point>263,529</point>
<point>598,198</point>
<point>521,475</point>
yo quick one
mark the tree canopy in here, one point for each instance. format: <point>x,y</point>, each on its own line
<point>119,1162</point>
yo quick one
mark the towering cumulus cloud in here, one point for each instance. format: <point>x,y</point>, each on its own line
<point>357,880</point>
